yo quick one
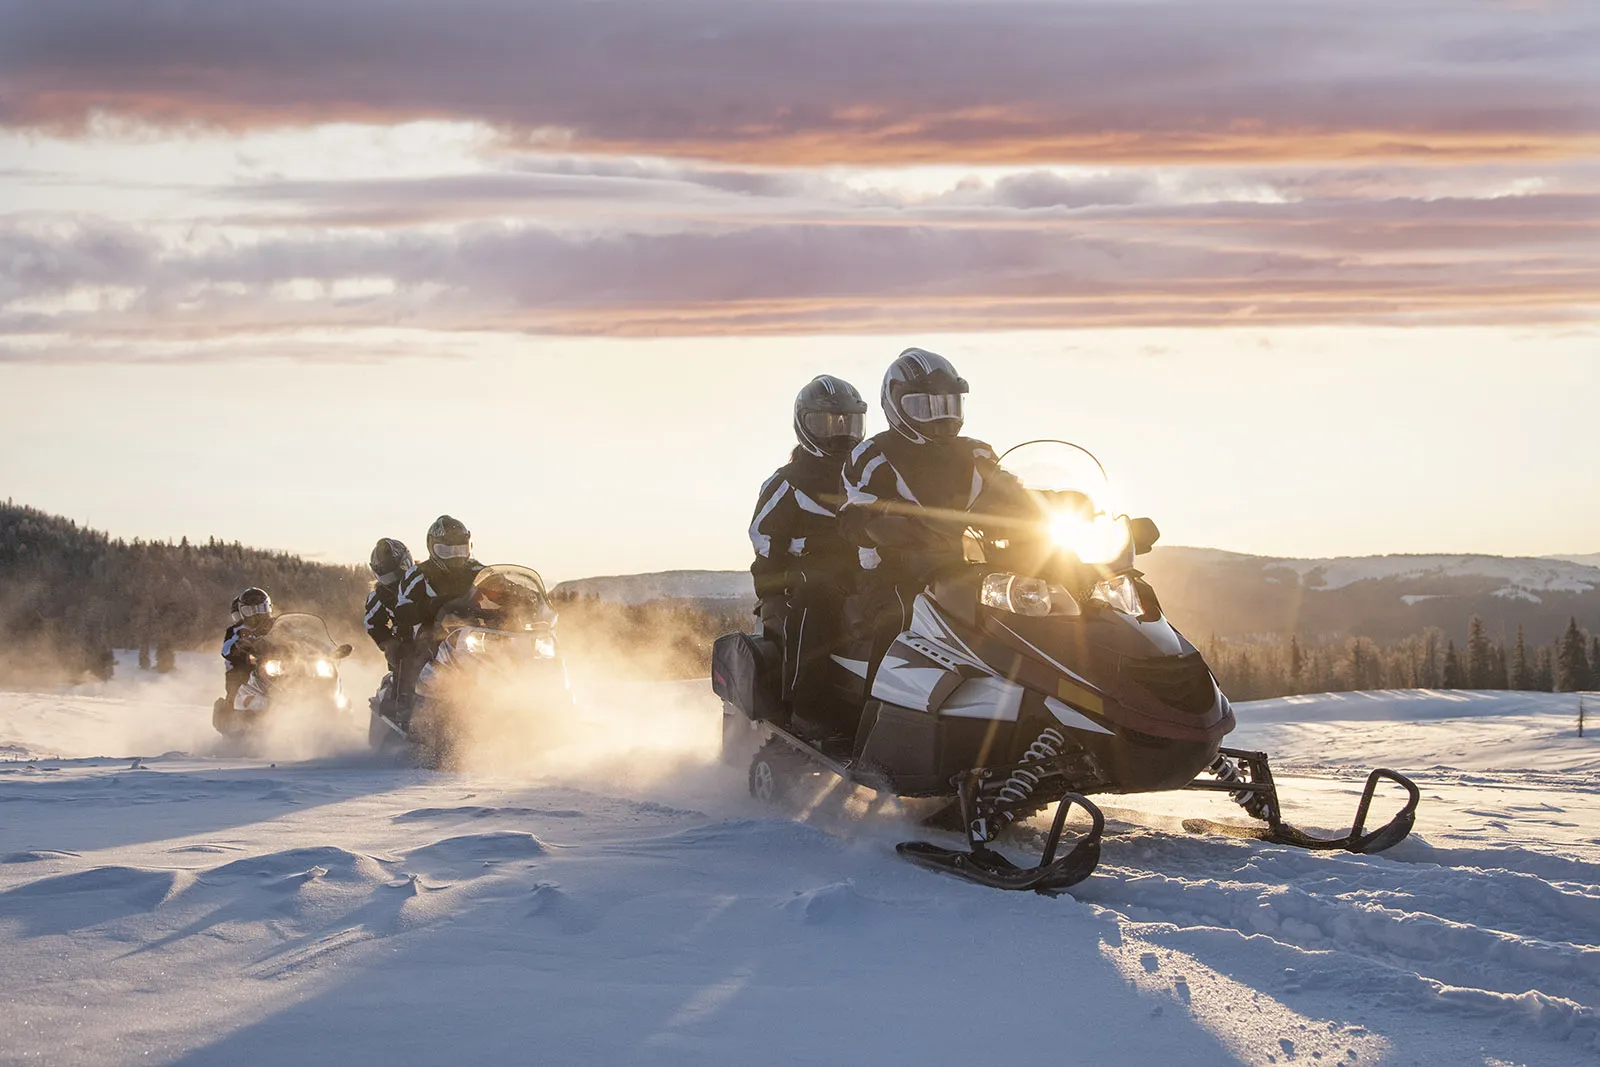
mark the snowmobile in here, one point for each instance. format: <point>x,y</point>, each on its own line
<point>497,653</point>
<point>1037,669</point>
<point>296,664</point>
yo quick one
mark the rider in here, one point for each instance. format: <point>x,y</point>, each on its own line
<point>390,560</point>
<point>253,612</point>
<point>907,489</point>
<point>803,567</point>
<point>445,575</point>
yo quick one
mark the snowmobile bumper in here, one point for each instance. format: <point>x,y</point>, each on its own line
<point>1247,776</point>
<point>983,865</point>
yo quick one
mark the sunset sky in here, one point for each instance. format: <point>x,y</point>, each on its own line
<point>1311,277</point>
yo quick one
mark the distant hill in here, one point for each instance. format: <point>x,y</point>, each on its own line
<point>663,585</point>
<point>1381,597</point>
<point>1232,595</point>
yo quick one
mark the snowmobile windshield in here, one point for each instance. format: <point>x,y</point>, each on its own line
<point>510,597</point>
<point>298,634</point>
<point>1074,496</point>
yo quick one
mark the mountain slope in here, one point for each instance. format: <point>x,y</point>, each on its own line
<point>1230,594</point>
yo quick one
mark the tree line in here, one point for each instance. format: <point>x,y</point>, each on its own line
<point>69,595</point>
<point>1285,666</point>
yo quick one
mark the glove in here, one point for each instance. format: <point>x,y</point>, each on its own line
<point>910,533</point>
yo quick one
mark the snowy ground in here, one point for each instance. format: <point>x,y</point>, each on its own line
<point>614,897</point>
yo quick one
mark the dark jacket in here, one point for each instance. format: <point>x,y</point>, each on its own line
<point>379,618</point>
<point>796,526</point>
<point>426,588</point>
<point>239,643</point>
<point>235,650</point>
<point>905,500</point>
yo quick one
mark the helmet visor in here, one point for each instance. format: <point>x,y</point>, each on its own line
<point>444,551</point>
<point>246,610</point>
<point>823,425</point>
<point>930,407</point>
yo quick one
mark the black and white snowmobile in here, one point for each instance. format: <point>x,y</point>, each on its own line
<point>295,666</point>
<point>497,658</point>
<point>1038,669</point>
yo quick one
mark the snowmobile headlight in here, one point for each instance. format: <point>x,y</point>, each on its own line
<point>325,669</point>
<point>1120,593</point>
<point>544,646</point>
<point>1100,539</point>
<point>475,641</point>
<point>1026,596</point>
<point>273,668</point>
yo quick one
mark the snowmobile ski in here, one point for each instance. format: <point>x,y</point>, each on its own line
<point>1247,777</point>
<point>785,756</point>
<point>983,865</point>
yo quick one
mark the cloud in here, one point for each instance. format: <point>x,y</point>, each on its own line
<point>1525,259</point>
<point>828,81</point>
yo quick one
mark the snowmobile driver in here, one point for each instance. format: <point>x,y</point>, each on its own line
<point>804,568</point>
<point>444,576</point>
<point>252,612</point>
<point>907,488</point>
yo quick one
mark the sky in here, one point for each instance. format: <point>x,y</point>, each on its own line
<point>1313,278</point>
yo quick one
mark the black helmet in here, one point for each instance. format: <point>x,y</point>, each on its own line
<point>390,559</point>
<point>449,542</point>
<point>922,396</point>
<point>233,611</point>
<point>255,607</point>
<point>829,416</point>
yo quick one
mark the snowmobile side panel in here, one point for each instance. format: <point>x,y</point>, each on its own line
<point>904,745</point>
<point>914,675</point>
<point>984,698</point>
<point>1069,716</point>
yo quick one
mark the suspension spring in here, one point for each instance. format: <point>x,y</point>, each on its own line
<point>1022,782</point>
<point>1228,772</point>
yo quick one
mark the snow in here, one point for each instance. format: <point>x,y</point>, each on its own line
<point>617,898</point>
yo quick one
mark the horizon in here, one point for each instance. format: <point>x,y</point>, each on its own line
<point>309,277</point>
<point>1576,558</point>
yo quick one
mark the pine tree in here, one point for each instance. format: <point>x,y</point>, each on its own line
<point>1297,663</point>
<point>144,655</point>
<point>1498,671</point>
<point>1520,676</point>
<point>1450,677</point>
<point>1572,660</point>
<point>1544,674</point>
<point>166,659</point>
<point>1478,661</point>
<point>1428,669</point>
